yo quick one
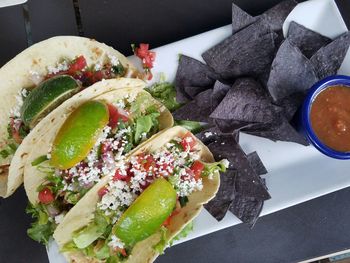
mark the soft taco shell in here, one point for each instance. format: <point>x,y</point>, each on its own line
<point>53,120</point>
<point>83,212</point>
<point>43,139</point>
<point>16,75</point>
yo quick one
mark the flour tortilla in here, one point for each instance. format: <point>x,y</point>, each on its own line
<point>40,143</point>
<point>83,212</point>
<point>16,75</point>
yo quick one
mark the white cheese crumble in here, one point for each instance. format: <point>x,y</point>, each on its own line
<point>16,110</point>
<point>98,67</point>
<point>208,134</point>
<point>113,59</point>
<point>59,218</point>
<point>119,104</point>
<point>63,66</point>
<point>116,243</point>
<point>226,163</point>
<point>35,77</point>
<point>119,194</point>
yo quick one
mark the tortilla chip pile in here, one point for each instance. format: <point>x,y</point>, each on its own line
<point>253,81</point>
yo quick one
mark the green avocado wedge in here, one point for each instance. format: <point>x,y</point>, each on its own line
<point>78,134</point>
<point>146,215</point>
<point>46,97</point>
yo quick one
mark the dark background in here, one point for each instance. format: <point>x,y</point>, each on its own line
<point>305,231</point>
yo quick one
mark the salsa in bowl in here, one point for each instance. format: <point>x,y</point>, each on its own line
<point>326,116</point>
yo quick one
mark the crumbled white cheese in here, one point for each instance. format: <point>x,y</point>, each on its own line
<point>119,194</point>
<point>98,66</point>
<point>119,104</point>
<point>186,187</point>
<point>16,110</point>
<point>226,163</point>
<point>35,77</point>
<point>59,218</point>
<point>208,134</point>
<point>63,66</point>
<point>113,59</point>
<point>115,243</point>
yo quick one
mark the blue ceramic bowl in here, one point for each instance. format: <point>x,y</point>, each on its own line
<point>305,114</point>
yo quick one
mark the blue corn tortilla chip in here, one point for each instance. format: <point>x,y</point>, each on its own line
<point>192,73</point>
<point>225,146</point>
<point>219,92</point>
<point>192,92</point>
<point>328,59</point>
<point>305,39</point>
<point>198,109</point>
<point>291,104</point>
<point>256,163</point>
<point>209,135</point>
<point>248,52</point>
<point>246,208</point>
<point>291,72</point>
<point>246,101</point>
<point>276,15</point>
<point>218,206</point>
<point>280,132</point>
<point>231,126</point>
<point>240,19</point>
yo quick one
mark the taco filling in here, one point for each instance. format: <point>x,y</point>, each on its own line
<point>121,126</point>
<point>62,81</point>
<point>141,198</point>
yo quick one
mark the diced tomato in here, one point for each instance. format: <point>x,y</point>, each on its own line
<point>147,57</point>
<point>115,115</point>
<point>197,168</point>
<point>102,191</point>
<point>176,211</point>
<point>149,163</point>
<point>188,141</point>
<point>46,196</point>
<point>78,64</point>
<point>122,251</point>
<point>119,176</point>
<point>105,148</point>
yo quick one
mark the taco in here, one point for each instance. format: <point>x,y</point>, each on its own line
<point>40,78</point>
<point>135,214</point>
<point>80,149</point>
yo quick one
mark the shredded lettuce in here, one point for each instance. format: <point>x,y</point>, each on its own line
<point>87,235</point>
<point>165,92</point>
<point>210,168</point>
<point>184,233</point>
<point>42,228</point>
<point>144,124</point>
<point>164,243</point>
<point>140,104</point>
<point>193,126</point>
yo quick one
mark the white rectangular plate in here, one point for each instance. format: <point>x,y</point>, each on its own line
<point>4,3</point>
<point>295,173</point>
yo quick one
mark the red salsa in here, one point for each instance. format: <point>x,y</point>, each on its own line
<point>330,117</point>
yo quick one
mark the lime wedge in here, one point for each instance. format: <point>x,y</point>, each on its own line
<point>78,134</point>
<point>46,97</point>
<point>146,215</point>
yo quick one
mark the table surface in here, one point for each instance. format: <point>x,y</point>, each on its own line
<point>308,230</point>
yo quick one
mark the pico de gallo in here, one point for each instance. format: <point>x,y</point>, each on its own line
<point>78,68</point>
<point>131,121</point>
<point>147,58</point>
<point>178,162</point>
